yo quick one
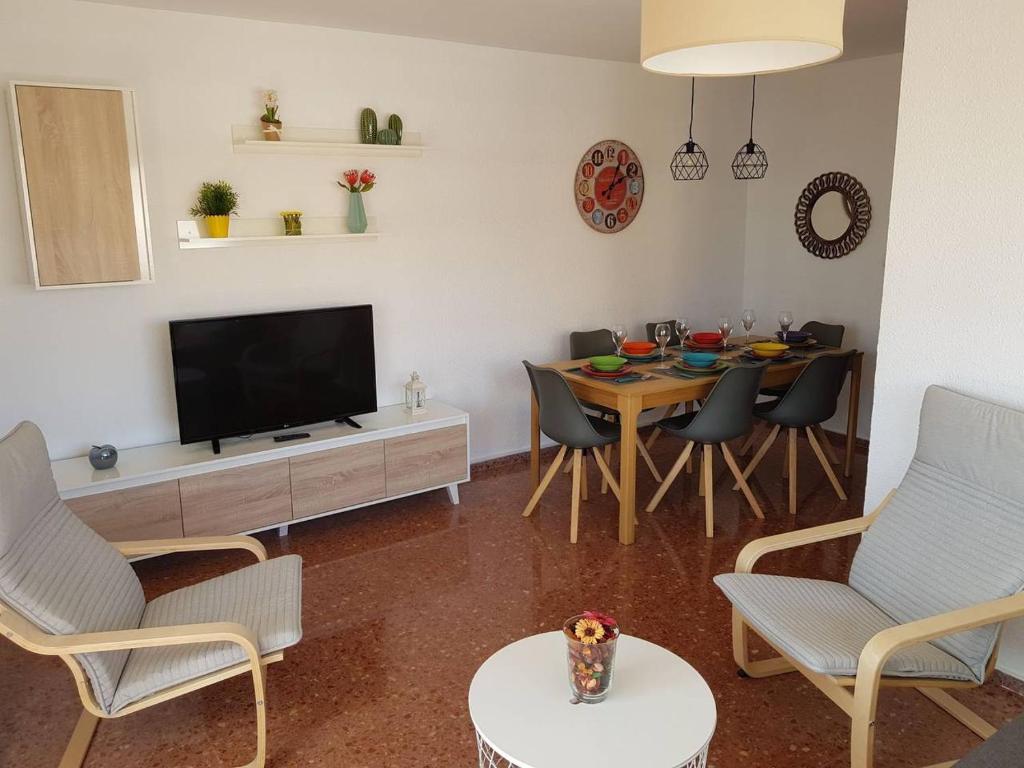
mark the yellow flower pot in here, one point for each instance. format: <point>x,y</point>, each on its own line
<point>217,226</point>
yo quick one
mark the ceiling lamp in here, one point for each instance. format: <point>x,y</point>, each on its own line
<point>739,37</point>
<point>751,162</point>
<point>689,163</point>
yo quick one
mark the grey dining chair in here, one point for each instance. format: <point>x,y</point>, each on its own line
<point>810,401</point>
<point>563,419</point>
<point>727,413</point>
<point>67,592</point>
<point>937,572</point>
<point>583,344</point>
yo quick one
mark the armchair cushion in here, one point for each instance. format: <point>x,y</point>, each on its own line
<point>825,625</point>
<point>952,533</point>
<point>55,570</point>
<point>265,597</point>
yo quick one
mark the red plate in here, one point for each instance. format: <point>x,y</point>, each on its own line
<point>717,347</point>
<point>606,374</point>
<point>639,347</point>
<point>706,337</point>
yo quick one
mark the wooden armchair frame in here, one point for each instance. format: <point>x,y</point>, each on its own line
<point>858,696</point>
<point>25,634</point>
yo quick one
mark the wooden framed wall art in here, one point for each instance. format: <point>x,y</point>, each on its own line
<point>82,185</point>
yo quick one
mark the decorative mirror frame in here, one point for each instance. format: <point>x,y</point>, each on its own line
<point>856,202</point>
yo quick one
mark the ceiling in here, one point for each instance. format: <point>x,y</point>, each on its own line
<point>600,29</point>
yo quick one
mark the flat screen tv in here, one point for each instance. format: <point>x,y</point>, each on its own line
<point>244,374</point>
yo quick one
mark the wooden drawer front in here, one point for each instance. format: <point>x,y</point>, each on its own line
<point>425,459</point>
<point>234,500</point>
<point>146,512</point>
<point>329,480</point>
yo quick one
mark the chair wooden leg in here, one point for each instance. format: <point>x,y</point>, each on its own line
<point>607,478</point>
<point>671,477</point>
<point>81,738</point>
<point>791,452</point>
<point>584,489</point>
<point>826,444</point>
<point>260,685</point>
<point>688,408</point>
<point>568,466</point>
<point>748,443</point>
<point>964,715</point>
<point>761,453</point>
<point>700,474</point>
<point>785,466</point>
<point>840,492</point>
<point>741,481</point>
<point>648,460</point>
<point>656,432</point>
<point>574,524</point>
<point>741,653</point>
<point>709,492</point>
<point>548,477</point>
<point>607,461</point>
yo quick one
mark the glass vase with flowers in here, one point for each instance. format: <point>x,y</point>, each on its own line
<point>591,638</point>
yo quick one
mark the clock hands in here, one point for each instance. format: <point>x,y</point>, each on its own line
<point>617,178</point>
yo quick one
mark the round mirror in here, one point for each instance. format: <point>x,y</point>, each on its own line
<point>832,215</point>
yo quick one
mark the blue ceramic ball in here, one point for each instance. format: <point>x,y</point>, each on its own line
<point>103,456</point>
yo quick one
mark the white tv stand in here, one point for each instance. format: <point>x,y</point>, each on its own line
<point>171,490</point>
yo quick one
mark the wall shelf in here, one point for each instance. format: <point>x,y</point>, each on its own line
<point>248,139</point>
<point>271,232</point>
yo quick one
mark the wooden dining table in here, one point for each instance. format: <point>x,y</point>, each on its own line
<point>665,390</point>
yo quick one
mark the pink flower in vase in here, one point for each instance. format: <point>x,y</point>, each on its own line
<point>367,177</point>
<point>602,618</point>
<point>352,177</point>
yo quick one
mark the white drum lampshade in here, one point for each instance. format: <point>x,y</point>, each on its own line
<point>707,38</point>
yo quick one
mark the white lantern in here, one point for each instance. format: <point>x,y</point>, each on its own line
<point>415,395</point>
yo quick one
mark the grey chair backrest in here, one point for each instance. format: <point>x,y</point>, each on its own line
<point>591,343</point>
<point>56,571</point>
<point>814,395</point>
<point>829,335</point>
<point>952,534</point>
<point>561,416</point>
<point>728,410</point>
<point>673,340</point>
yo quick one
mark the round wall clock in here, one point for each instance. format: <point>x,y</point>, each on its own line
<point>609,186</point>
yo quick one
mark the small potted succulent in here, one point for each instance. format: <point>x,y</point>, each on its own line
<point>591,637</point>
<point>268,120</point>
<point>357,183</point>
<point>215,203</point>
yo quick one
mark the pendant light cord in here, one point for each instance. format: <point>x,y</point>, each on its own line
<point>693,80</point>
<point>753,98</point>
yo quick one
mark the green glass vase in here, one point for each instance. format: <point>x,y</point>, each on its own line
<point>356,213</point>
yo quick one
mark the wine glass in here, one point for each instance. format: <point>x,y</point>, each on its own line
<point>662,333</point>
<point>785,320</point>
<point>619,337</point>
<point>725,328</point>
<point>748,320</point>
<point>682,329</point>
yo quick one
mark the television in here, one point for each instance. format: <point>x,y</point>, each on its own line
<point>243,374</point>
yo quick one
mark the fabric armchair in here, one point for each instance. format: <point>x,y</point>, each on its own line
<point>64,591</point>
<point>937,572</point>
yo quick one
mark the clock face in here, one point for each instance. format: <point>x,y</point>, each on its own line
<point>609,186</point>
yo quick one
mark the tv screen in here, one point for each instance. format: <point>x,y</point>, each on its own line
<point>255,373</point>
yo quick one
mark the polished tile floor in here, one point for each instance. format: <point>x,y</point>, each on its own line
<point>403,601</point>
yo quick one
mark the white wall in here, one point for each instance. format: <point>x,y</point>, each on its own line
<point>840,117</point>
<point>484,260</point>
<point>955,272</point>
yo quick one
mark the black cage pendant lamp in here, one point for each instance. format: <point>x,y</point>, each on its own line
<point>689,163</point>
<point>751,162</point>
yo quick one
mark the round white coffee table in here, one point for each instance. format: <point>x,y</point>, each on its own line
<point>659,713</point>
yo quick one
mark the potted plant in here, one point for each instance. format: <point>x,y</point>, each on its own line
<point>357,183</point>
<point>215,203</point>
<point>271,125</point>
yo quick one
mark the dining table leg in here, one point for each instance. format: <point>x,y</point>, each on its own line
<point>856,365</point>
<point>534,442</point>
<point>629,413</point>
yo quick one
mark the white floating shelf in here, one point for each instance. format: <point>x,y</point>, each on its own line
<point>248,139</point>
<point>271,232</point>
